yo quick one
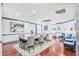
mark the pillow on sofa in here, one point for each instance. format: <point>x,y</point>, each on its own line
<point>69,36</point>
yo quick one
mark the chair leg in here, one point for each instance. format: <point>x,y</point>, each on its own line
<point>24,46</point>
<point>19,44</point>
<point>33,48</point>
<point>40,43</point>
<point>43,43</point>
<point>29,49</point>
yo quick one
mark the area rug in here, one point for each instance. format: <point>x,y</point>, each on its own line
<point>38,49</point>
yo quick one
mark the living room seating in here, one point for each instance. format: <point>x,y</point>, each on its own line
<point>70,41</point>
<point>62,36</point>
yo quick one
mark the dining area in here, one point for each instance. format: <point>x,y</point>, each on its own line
<point>34,44</point>
<point>50,47</point>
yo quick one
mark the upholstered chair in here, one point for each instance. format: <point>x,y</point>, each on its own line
<point>22,40</point>
<point>30,43</point>
<point>41,40</point>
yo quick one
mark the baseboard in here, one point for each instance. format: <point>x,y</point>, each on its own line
<point>4,43</point>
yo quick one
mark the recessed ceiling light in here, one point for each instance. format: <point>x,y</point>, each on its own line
<point>60,11</point>
<point>58,15</point>
<point>22,19</point>
<point>17,13</point>
<point>46,20</point>
<point>34,11</point>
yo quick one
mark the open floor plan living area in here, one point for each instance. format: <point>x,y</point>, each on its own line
<point>40,29</point>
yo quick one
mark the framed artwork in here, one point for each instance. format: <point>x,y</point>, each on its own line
<point>54,28</point>
<point>71,28</point>
<point>59,28</point>
<point>45,27</point>
<point>16,27</point>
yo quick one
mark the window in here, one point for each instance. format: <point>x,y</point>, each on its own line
<point>39,28</point>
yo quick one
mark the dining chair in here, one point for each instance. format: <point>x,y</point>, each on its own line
<point>47,38</point>
<point>22,41</point>
<point>30,43</point>
<point>41,40</point>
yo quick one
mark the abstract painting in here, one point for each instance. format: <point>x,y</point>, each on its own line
<point>16,27</point>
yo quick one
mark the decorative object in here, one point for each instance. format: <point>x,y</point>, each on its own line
<point>16,27</point>
<point>71,28</point>
<point>59,28</point>
<point>46,27</point>
<point>54,28</point>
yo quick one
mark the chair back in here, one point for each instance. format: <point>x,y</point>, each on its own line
<point>21,35</point>
<point>41,39</point>
<point>30,41</point>
<point>69,36</point>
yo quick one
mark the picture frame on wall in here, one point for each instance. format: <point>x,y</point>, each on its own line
<point>45,27</point>
<point>71,28</point>
<point>59,28</point>
<point>16,27</point>
<point>54,28</point>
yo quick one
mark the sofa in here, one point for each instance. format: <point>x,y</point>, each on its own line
<point>70,40</point>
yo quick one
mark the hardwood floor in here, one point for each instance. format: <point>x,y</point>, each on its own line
<point>9,50</point>
<point>69,52</point>
<point>56,49</point>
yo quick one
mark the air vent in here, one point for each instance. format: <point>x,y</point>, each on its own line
<point>46,20</point>
<point>60,11</point>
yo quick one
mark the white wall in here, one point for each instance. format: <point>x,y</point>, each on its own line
<point>28,27</point>
<point>63,27</point>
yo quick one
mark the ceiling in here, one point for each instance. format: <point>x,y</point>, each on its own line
<point>37,12</point>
